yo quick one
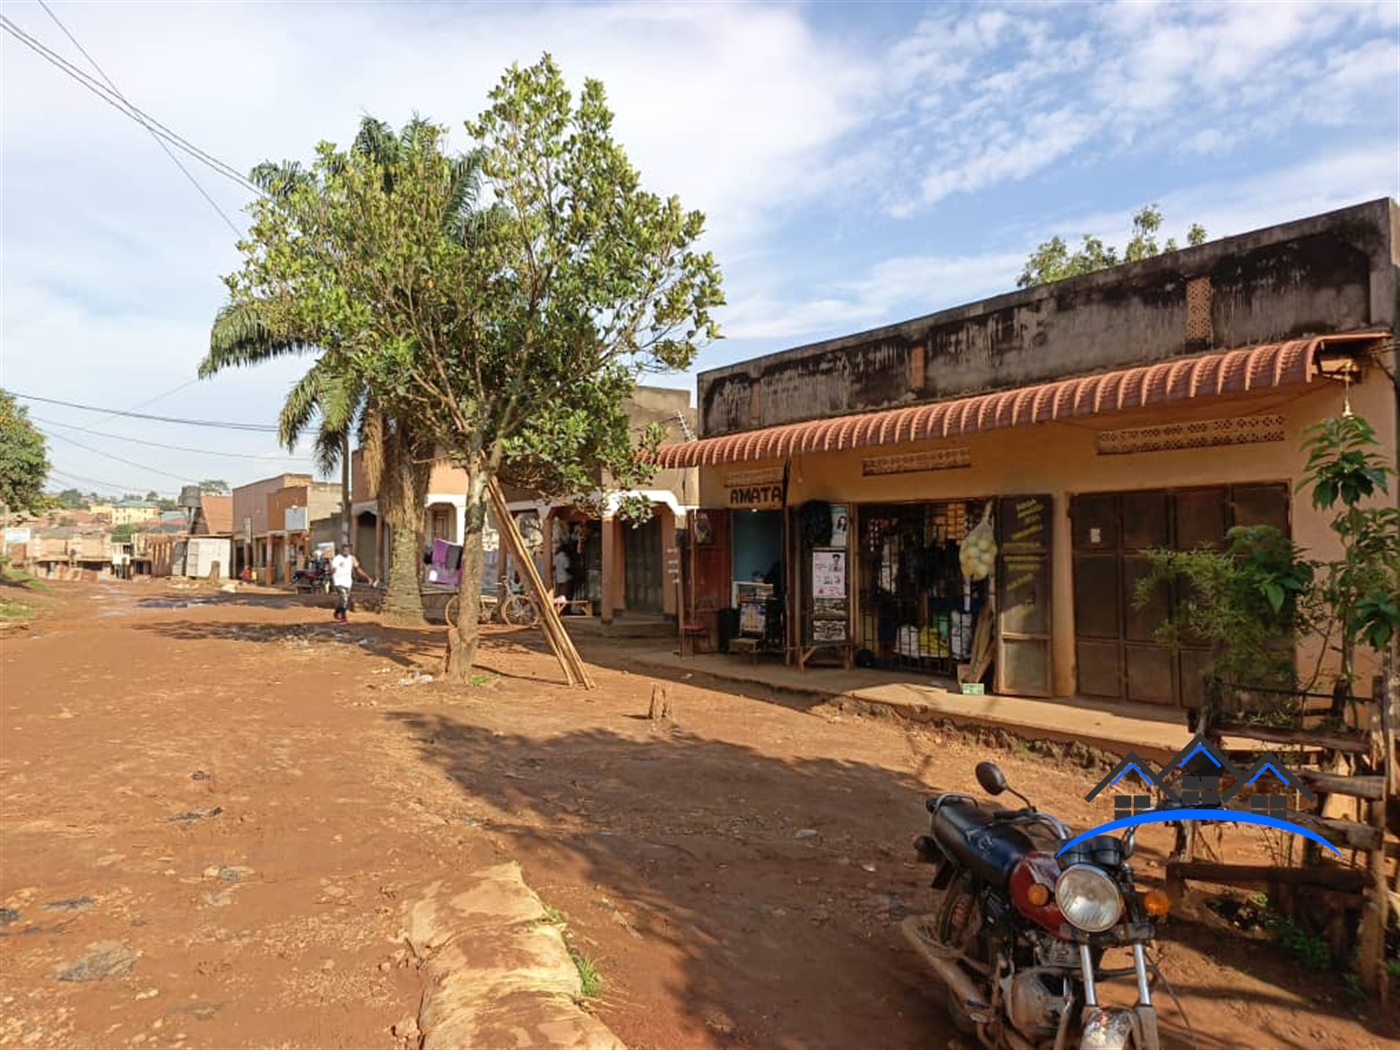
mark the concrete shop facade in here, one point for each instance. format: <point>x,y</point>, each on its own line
<point>1156,404</point>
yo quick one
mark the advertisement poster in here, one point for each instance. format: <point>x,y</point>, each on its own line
<point>828,574</point>
<point>840,526</point>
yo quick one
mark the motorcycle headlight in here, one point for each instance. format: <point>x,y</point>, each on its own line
<point>1088,898</point>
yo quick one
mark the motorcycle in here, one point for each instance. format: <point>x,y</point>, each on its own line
<point>1018,935</point>
<point>315,577</point>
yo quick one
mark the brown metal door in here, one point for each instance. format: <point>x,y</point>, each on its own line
<point>1117,651</point>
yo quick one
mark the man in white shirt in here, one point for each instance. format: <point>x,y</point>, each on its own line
<point>344,566</point>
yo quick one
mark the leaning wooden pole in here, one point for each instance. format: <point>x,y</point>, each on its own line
<point>575,672</point>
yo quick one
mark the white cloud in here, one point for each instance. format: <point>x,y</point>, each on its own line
<point>827,161</point>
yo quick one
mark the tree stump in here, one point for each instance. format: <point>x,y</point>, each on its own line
<point>660,710</point>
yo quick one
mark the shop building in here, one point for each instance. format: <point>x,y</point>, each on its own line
<point>1156,404</point>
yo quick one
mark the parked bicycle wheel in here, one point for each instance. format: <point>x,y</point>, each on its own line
<point>449,613</point>
<point>519,611</point>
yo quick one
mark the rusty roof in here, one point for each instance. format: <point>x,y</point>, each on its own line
<point>218,514</point>
<point>1260,367</point>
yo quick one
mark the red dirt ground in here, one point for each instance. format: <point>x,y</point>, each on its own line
<point>343,786</point>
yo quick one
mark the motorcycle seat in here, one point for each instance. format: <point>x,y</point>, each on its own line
<point>989,851</point>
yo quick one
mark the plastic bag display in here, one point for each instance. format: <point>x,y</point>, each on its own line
<point>978,555</point>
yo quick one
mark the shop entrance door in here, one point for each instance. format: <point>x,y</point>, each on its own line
<point>642,566</point>
<point>1117,653</point>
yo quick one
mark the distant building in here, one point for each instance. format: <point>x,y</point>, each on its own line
<point>277,522</point>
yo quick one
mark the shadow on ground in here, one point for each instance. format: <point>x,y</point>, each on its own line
<point>764,894</point>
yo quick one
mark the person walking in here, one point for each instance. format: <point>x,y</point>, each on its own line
<point>344,566</point>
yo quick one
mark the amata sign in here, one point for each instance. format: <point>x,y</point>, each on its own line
<point>755,489</point>
<point>757,497</point>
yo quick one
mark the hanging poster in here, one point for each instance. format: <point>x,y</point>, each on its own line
<point>828,574</point>
<point>840,526</point>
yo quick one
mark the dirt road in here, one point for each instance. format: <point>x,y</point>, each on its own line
<point>214,813</point>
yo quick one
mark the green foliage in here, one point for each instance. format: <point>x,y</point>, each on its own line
<point>24,459</point>
<point>1306,948</point>
<point>123,533</point>
<point>590,980</point>
<point>72,499</point>
<point>1344,471</point>
<point>512,335</point>
<point>1053,260</point>
<point>214,487</point>
<point>1249,602</point>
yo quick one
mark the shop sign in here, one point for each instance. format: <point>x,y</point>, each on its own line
<point>16,536</point>
<point>757,497</point>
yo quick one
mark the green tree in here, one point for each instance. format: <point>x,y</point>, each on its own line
<point>72,499</point>
<point>24,459</point>
<point>334,395</point>
<point>1053,260</point>
<point>151,497</point>
<point>515,340</point>
<point>214,487</point>
<point>123,533</point>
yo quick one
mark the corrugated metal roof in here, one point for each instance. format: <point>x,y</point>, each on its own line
<point>1230,372</point>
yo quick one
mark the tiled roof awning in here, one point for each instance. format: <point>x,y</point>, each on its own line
<point>1232,372</point>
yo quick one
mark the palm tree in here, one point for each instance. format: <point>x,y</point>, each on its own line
<point>397,459</point>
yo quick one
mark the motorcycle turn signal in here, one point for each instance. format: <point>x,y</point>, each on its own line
<point>1157,903</point>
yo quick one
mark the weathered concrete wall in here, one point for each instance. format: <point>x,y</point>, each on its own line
<point>1330,273</point>
<point>250,501</point>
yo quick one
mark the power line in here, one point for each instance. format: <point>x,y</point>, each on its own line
<point>258,428</point>
<point>159,141</point>
<point>81,480</point>
<point>173,390</point>
<point>157,444</point>
<point>129,462</point>
<point>127,109</point>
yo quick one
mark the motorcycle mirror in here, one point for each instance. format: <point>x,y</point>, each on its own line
<point>992,779</point>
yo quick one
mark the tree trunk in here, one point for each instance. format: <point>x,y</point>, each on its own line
<point>345,517</point>
<point>402,500</point>
<point>462,637</point>
<point>403,601</point>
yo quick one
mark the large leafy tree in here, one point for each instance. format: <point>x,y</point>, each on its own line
<point>516,339</point>
<point>335,396</point>
<point>24,459</point>
<point>1053,260</point>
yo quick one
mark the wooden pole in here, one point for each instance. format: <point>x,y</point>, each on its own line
<point>559,641</point>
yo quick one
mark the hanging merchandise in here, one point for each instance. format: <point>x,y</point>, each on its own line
<point>979,551</point>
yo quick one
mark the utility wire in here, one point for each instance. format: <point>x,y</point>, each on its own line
<point>172,390</point>
<point>157,444</point>
<point>159,141</point>
<point>258,428</point>
<point>79,479</point>
<point>129,462</point>
<point>127,109</point>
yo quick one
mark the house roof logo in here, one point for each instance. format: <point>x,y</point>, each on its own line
<point>1199,784</point>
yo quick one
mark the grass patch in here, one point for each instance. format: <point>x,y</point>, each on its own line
<point>479,678</point>
<point>589,978</point>
<point>553,916</point>
<point>13,610</point>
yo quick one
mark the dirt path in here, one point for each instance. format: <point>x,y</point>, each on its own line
<point>736,878</point>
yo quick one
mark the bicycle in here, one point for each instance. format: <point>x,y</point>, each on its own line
<point>454,606</point>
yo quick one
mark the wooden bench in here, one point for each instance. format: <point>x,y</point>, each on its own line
<point>584,605</point>
<point>746,644</point>
<point>806,652</point>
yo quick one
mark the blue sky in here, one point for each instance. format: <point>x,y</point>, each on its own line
<point>859,163</point>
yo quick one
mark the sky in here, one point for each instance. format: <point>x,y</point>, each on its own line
<point>859,164</point>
